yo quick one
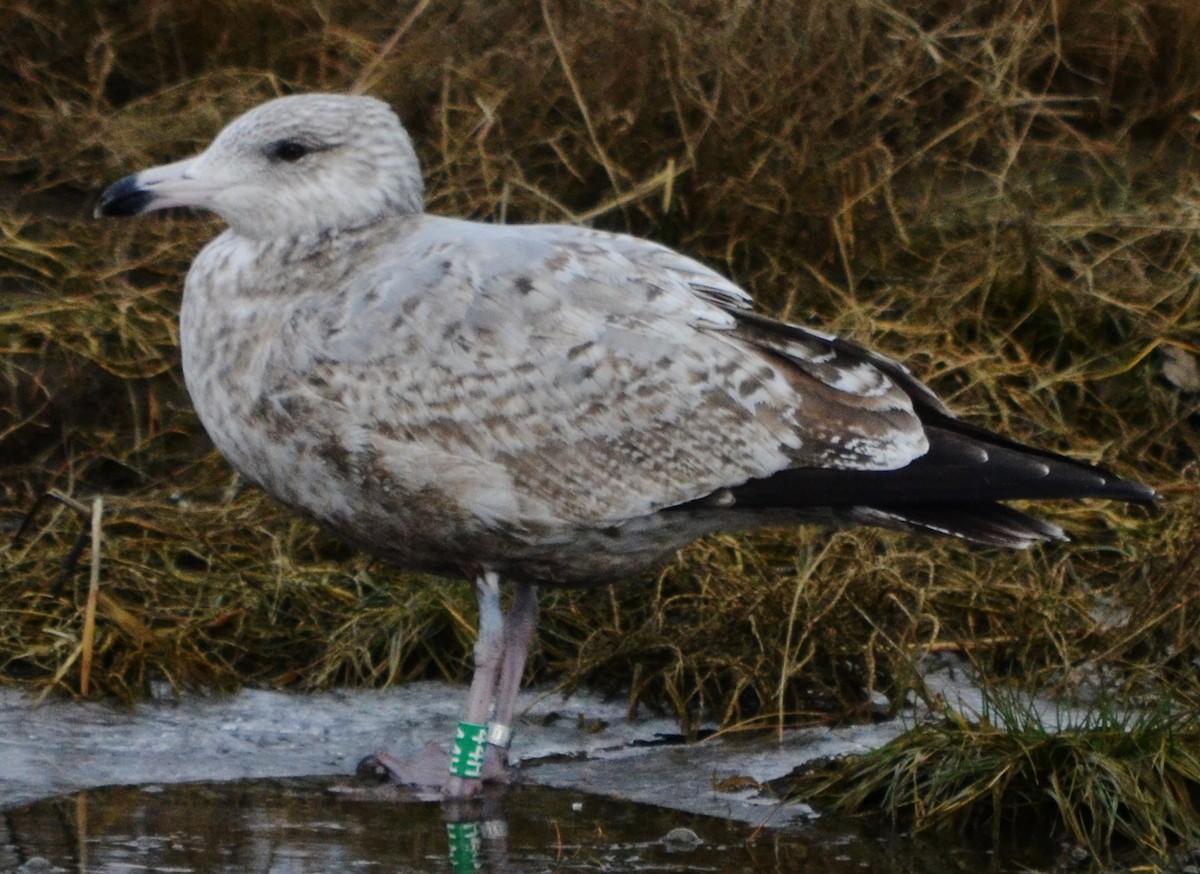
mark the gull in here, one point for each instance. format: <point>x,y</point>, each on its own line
<point>550,405</point>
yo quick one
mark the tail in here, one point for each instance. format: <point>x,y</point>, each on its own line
<point>954,489</point>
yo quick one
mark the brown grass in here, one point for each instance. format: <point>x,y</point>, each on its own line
<point>1002,194</point>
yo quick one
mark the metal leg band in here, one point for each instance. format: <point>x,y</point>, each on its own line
<point>499,734</point>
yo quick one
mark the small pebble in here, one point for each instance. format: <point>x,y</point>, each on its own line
<point>681,840</point>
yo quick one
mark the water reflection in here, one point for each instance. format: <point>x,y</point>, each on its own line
<point>304,826</point>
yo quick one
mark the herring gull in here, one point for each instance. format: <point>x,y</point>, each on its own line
<point>546,404</point>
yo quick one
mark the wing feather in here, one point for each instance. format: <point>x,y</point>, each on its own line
<point>595,378</point>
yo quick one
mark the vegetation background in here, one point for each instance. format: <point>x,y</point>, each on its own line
<point>1002,194</point>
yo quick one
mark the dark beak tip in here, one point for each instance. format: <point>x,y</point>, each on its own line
<point>123,198</point>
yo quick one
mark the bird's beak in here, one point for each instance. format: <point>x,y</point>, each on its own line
<point>156,188</point>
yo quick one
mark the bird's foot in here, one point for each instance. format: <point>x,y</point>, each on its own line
<point>430,769</point>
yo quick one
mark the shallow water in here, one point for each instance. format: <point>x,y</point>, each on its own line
<point>583,743</point>
<point>303,825</point>
<point>91,786</point>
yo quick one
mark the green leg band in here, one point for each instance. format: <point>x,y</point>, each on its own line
<point>464,846</point>
<point>466,759</point>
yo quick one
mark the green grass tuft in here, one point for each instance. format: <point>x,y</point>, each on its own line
<point>1111,779</point>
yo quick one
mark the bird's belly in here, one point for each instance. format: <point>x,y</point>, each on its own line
<point>422,527</point>
<point>332,485</point>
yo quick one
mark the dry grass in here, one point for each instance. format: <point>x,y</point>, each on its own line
<point>1003,194</point>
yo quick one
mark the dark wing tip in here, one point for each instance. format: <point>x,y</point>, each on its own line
<point>1126,490</point>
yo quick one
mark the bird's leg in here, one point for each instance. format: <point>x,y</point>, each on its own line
<point>466,759</point>
<point>459,775</point>
<point>519,626</point>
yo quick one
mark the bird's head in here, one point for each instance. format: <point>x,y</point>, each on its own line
<point>295,165</point>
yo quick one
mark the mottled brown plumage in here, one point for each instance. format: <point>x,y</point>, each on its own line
<point>550,404</point>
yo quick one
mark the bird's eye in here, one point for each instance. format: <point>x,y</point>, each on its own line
<point>288,150</point>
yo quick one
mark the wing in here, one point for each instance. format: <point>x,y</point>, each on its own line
<point>586,377</point>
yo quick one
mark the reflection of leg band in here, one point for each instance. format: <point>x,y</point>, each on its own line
<point>464,846</point>
<point>466,759</point>
<point>493,829</point>
<point>499,734</point>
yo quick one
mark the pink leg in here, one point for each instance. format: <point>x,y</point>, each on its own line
<point>519,627</point>
<point>489,653</point>
<point>500,652</point>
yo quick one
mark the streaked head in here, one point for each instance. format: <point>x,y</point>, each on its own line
<point>291,166</point>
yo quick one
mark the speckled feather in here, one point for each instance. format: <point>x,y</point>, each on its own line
<point>534,400</point>
<point>496,383</point>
